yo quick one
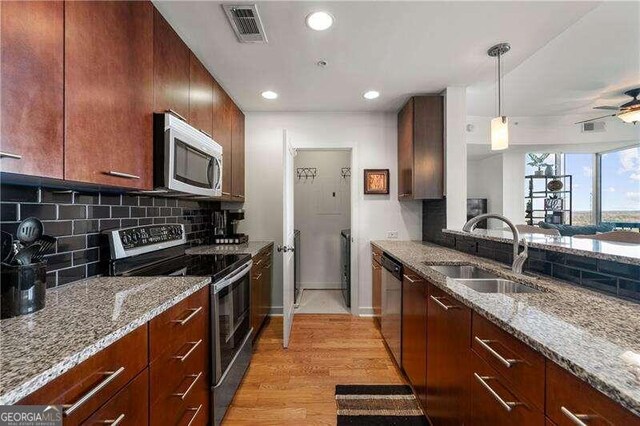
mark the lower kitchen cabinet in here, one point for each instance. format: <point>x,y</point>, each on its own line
<point>414,332</point>
<point>448,357</point>
<point>261,288</point>
<point>376,284</point>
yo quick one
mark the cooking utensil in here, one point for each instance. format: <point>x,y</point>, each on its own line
<point>6,244</point>
<point>24,256</point>
<point>29,230</point>
<point>46,242</point>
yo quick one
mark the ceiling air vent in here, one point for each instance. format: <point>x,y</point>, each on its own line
<point>246,23</point>
<point>593,126</point>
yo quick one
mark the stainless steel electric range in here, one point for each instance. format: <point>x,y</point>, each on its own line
<point>159,250</point>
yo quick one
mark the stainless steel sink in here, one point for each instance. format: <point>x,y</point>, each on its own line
<point>465,272</point>
<point>497,286</point>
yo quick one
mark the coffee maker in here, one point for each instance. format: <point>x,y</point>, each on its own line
<point>225,227</point>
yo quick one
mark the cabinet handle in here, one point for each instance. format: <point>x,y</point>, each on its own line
<point>375,267</point>
<point>226,193</point>
<point>257,277</point>
<point>267,266</point>
<point>446,307</point>
<point>196,411</point>
<point>405,194</point>
<point>122,175</point>
<point>259,262</point>
<point>412,281</point>
<point>69,409</point>
<point>239,196</point>
<point>507,405</point>
<point>485,344</point>
<point>578,419</point>
<point>170,111</point>
<point>10,155</point>
<point>194,312</point>
<point>184,394</point>
<point>115,422</point>
<point>194,345</point>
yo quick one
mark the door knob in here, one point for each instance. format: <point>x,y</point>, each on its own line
<point>285,249</point>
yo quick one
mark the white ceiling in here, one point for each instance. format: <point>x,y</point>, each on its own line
<point>591,63</point>
<point>398,48</point>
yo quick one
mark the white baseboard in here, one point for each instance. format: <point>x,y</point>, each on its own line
<point>276,311</point>
<point>320,286</point>
<point>365,312</point>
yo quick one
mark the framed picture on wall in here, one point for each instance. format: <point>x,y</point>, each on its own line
<point>376,181</point>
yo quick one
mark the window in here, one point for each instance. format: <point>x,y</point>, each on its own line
<point>580,167</point>
<point>620,187</point>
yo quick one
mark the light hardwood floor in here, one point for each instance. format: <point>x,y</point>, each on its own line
<point>296,386</point>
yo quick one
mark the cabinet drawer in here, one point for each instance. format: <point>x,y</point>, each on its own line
<point>187,403</point>
<point>519,365</point>
<point>494,402</point>
<point>130,406</point>
<point>169,331</point>
<point>570,400</point>
<point>90,384</point>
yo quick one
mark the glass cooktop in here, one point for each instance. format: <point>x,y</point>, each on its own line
<point>214,265</point>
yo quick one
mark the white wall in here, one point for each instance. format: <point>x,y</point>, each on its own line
<point>322,210</point>
<point>484,180</point>
<point>455,156</point>
<point>373,137</point>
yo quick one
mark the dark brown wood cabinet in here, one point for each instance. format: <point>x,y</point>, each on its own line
<point>108,54</point>
<point>376,284</point>
<point>261,282</point>
<point>237,168</point>
<point>221,132</point>
<point>32,91</point>
<point>200,96</point>
<point>171,68</point>
<point>421,148</point>
<point>448,358</point>
<point>414,332</point>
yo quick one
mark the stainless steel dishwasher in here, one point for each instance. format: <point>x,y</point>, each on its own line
<point>391,321</point>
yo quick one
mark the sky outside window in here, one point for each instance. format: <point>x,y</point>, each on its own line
<point>620,183</point>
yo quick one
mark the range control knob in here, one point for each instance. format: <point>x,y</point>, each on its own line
<point>126,239</point>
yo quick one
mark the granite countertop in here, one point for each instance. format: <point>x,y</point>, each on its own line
<point>252,248</point>
<point>595,336</point>
<point>79,320</point>
<point>605,250</point>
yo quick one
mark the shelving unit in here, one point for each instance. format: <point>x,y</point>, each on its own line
<point>536,208</point>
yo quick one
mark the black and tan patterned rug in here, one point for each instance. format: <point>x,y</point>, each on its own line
<point>378,405</point>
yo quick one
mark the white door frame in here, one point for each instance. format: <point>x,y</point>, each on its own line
<point>355,198</point>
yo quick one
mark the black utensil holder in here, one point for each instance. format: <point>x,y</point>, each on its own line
<point>23,288</point>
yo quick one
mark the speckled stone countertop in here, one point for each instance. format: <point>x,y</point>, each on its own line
<point>597,337</point>
<point>79,320</point>
<point>605,250</point>
<point>252,248</point>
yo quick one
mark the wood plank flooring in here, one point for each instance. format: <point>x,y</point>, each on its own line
<point>296,386</point>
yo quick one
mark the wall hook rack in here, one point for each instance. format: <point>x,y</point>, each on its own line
<point>306,172</point>
<point>345,172</point>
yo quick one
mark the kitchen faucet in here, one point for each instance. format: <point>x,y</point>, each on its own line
<point>518,258</point>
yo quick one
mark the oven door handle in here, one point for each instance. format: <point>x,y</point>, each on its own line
<point>237,276</point>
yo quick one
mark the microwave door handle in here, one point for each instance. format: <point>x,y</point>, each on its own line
<point>210,172</point>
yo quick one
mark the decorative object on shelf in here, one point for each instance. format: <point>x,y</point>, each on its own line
<point>549,170</point>
<point>345,172</point>
<point>553,203</point>
<point>306,173</point>
<point>500,124</point>
<point>555,185</point>
<point>376,181</point>
<point>538,161</point>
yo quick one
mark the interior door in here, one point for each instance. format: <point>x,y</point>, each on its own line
<point>287,239</point>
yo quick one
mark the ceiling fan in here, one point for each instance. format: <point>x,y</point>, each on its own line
<point>628,112</point>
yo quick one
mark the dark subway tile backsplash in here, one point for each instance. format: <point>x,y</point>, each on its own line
<point>77,219</point>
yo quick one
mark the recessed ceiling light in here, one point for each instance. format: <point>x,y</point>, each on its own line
<point>319,21</point>
<point>268,94</point>
<point>371,94</point>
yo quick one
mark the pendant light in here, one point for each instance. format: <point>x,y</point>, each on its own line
<point>500,124</point>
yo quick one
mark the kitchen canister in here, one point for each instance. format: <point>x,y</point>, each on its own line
<point>23,288</point>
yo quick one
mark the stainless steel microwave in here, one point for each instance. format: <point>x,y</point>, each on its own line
<point>186,160</point>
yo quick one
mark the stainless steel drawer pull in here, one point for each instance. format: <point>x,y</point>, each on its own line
<point>578,419</point>
<point>376,267</point>
<point>10,155</point>
<point>257,277</point>
<point>239,196</point>
<point>411,280</point>
<point>258,262</point>
<point>69,409</point>
<point>196,411</point>
<point>485,344</point>
<point>194,312</point>
<point>507,405</point>
<point>184,394</point>
<point>193,347</point>
<point>115,422</point>
<point>122,175</point>
<point>226,193</point>
<point>446,307</point>
<point>267,266</point>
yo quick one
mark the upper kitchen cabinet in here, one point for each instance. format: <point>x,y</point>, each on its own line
<point>200,96</point>
<point>421,149</point>
<point>171,68</point>
<point>237,167</point>
<point>109,93</point>
<point>221,132</point>
<point>32,91</point>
